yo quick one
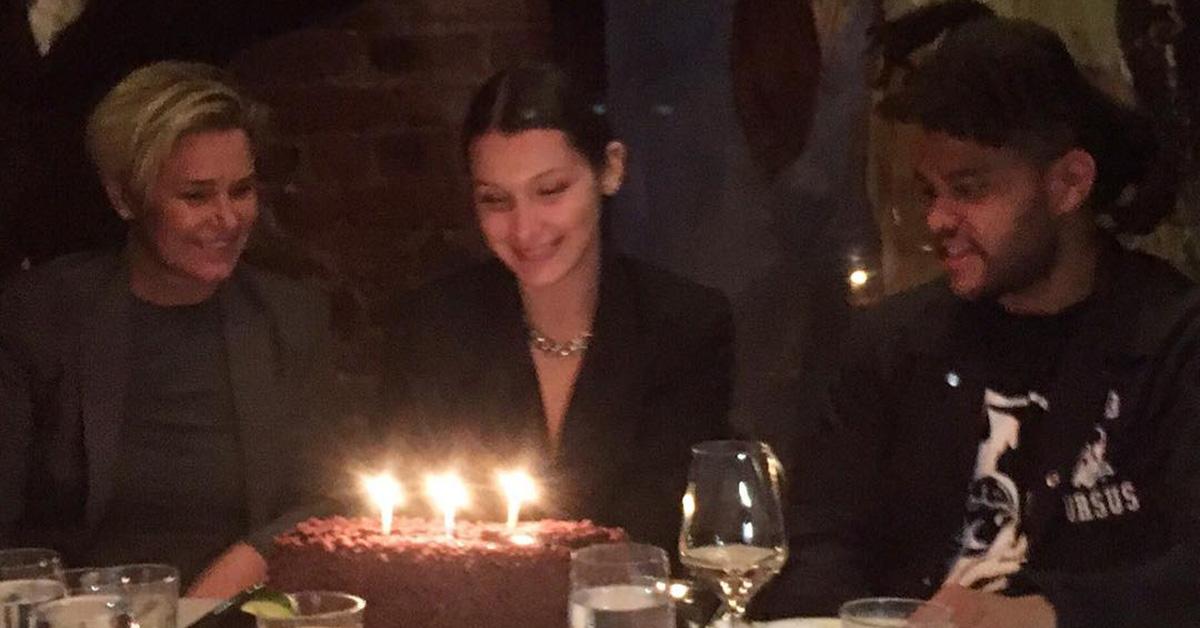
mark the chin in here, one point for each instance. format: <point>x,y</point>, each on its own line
<point>533,274</point>
<point>968,289</point>
<point>210,273</point>
<point>539,278</point>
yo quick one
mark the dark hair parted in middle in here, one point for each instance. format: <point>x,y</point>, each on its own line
<point>539,96</point>
<point>1012,83</point>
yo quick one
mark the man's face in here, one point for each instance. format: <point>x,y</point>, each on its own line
<point>988,211</point>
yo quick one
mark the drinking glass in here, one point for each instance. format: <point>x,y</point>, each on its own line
<point>30,563</point>
<point>320,609</point>
<point>20,598</point>
<point>894,612</point>
<point>733,536</point>
<point>149,591</point>
<point>623,585</point>
<point>85,611</point>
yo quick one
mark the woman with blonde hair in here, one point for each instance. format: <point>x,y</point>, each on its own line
<point>155,401</point>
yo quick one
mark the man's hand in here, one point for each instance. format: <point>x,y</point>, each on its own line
<point>979,609</point>
<point>989,572</point>
<point>239,567</point>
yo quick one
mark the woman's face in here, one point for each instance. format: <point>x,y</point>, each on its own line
<point>195,222</point>
<point>538,202</point>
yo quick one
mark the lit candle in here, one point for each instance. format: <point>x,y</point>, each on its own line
<point>448,494</point>
<point>518,488</point>
<point>385,491</point>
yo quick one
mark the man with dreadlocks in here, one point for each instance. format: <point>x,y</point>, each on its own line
<point>1021,439</point>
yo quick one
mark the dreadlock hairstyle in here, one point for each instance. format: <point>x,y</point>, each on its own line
<point>1012,83</point>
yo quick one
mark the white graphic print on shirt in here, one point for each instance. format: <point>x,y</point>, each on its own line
<point>1097,495</point>
<point>993,499</point>
<point>1092,465</point>
<point>991,546</point>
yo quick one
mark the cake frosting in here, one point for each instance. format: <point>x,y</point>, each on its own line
<point>416,577</point>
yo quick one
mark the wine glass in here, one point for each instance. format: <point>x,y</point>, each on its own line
<point>733,536</point>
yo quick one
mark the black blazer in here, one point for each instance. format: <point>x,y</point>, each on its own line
<point>460,389</point>
<point>64,346</point>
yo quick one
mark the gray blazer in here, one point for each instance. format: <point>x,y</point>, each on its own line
<point>64,350</point>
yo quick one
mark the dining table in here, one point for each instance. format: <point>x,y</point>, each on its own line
<point>191,609</point>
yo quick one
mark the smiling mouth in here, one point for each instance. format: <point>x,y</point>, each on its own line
<point>954,250</point>
<point>218,245</point>
<point>537,254</point>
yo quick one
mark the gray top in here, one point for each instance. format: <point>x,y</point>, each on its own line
<point>179,416</point>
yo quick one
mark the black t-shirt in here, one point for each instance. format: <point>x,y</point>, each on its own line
<point>1023,355</point>
<point>179,488</point>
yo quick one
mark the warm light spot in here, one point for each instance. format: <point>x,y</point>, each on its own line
<point>518,489</point>
<point>523,539</point>
<point>385,492</point>
<point>858,278</point>
<point>446,490</point>
<point>448,493</point>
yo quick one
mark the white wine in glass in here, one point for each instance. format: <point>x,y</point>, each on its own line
<point>733,535</point>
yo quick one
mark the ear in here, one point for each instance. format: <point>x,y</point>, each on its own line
<point>1070,180</point>
<point>614,168</point>
<point>119,199</point>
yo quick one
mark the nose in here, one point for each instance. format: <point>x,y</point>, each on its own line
<point>942,215</point>
<point>524,221</point>
<point>225,212</point>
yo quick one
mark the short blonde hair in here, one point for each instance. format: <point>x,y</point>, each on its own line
<point>136,125</point>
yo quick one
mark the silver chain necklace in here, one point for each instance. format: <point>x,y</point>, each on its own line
<point>550,346</point>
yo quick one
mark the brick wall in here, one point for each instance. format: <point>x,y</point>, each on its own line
<point>365,171</point>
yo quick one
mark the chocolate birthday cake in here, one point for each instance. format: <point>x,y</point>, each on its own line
<point>416,577</point>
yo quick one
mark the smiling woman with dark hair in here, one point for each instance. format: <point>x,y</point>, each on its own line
<point>594,368</point>
<point>154,401</point>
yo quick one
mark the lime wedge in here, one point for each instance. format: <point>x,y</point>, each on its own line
<point>269,605</point>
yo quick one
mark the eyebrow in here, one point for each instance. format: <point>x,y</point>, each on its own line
<point>534,177</point>
<point>963,173</point>
<point>249,177</point>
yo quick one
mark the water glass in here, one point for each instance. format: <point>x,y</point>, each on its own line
<point>30,563</point>
<point>889,612</point>
<point>20,598</point>
<point>320,609</point>
<point>149,591</point>
<point>620,585</point>
<point>85,611</point>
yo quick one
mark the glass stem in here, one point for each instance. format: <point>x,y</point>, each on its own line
<point>732,615</point>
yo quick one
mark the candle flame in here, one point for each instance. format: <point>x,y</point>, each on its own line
<point>386,492</point>
<point>518,488</point>
<point>448,494</point>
